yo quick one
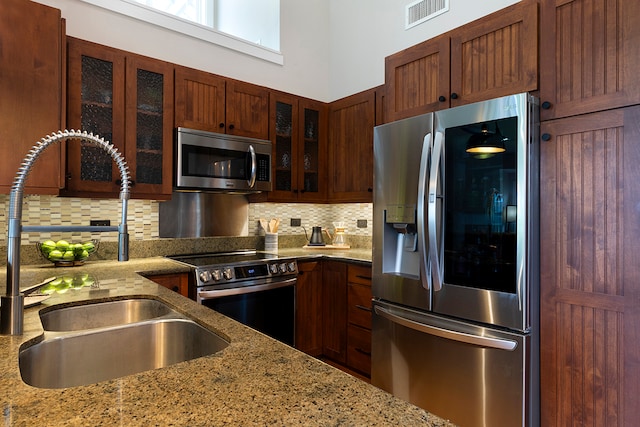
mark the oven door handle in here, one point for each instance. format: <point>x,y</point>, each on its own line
<point>217,293</point>
<point>252,178</point>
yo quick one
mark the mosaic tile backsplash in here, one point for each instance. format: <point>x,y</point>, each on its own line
<point>143,217</point>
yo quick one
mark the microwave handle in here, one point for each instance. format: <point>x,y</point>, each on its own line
<point>252,179</point>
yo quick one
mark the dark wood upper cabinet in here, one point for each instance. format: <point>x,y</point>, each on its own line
<point>589,56</point>
<point>209,102</point>
<point>351,123</point>
<point>31,92</point>
<point>417,79</point>
<point>200,100</point>
<point>126,99</point>
<point>247,110</point>
<point>494,56</point>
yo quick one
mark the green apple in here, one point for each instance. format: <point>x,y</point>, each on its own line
<point>68,256</point>
<point>47,246</point>
<point>55,255</point>
<point>82,255</point>
<point>89,247</point>
<point>77,248</point>
<point>62,245</point>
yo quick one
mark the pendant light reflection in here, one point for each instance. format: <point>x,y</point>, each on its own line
<point>486,144</point>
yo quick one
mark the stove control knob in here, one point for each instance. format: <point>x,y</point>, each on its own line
<point>226,273</point>
<point>291,267</point>
<point>204,276</point>
<point>216,275</point>
<point>273,268</point>
<point>283,268</point>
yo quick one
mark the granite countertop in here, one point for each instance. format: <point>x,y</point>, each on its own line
<point>254,381</point>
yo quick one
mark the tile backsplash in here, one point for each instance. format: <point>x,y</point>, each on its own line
<point>312,215</point>
<point>143,216</point>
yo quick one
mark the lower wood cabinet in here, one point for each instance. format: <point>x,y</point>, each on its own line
<point>177,282</point>
<point>308,335</point>
<point>333,313</point>
<point>334,310</point>
<point>359,318</point>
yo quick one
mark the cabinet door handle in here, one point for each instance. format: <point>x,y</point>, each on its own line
<point>369,190</point>
<point>545,137</point>
<point>545,105</point>
<point>442,98</point>
<point>362,307</point>
<point>221,125</point>
<point>454,95</point>
<point>231,126</point>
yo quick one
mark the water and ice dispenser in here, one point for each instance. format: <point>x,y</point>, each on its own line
<point>400,254</point>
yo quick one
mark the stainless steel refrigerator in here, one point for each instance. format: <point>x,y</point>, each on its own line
<point>455,262</point>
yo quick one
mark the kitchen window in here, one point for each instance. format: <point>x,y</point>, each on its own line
<point>248,26</point>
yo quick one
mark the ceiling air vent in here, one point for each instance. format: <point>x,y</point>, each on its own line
<point>423,10</point>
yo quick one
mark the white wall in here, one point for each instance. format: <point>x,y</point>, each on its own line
<point>331,48</point>
<point>304,44</point>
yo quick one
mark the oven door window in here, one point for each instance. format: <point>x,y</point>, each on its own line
<point>480,206</point>
<point>271,312</point>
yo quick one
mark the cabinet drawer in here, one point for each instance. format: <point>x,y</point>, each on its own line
<point>359,305</point>
<point>359,349</point>
<point>359,274</point>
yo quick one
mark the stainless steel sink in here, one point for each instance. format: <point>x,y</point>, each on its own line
<point>103,314</point>
<point>91,356</point>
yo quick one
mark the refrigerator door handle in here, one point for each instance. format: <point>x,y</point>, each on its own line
<point>425,267</point>
<point>487,342</point>
<point>432,218</point>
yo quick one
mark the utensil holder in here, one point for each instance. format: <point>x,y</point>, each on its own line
<point>271,242</point>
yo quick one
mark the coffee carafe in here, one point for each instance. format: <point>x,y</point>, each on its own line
<point>339,237</point>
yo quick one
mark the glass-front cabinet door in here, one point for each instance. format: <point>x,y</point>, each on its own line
<point>149,125</point>
<point>127,100</point>
<point>284,124</point>
<point>95,104</point>
<point>297,128</point>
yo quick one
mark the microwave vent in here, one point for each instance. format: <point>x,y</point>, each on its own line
<point>420,11</point>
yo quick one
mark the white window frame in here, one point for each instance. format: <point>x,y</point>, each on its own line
<point>192,29</point>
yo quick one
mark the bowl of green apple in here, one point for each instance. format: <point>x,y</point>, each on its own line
<point>66,254</point>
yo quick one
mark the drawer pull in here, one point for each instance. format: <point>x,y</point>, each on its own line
<point>362,307</point>
<point>359,350</point>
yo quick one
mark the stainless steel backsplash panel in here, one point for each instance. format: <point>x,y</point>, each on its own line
<point>192,214</point>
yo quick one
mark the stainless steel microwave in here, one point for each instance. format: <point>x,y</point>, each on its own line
<point>207,161</point>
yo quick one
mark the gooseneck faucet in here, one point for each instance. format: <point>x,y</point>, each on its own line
<point>12,308</point>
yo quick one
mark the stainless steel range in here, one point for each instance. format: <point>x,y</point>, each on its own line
<point>254,288</point>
